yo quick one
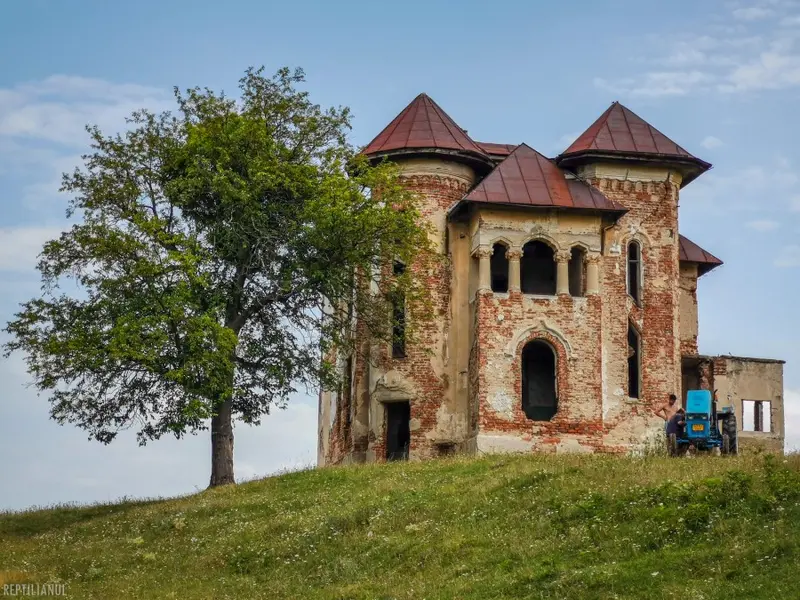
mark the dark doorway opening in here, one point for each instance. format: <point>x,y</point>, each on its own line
<point>398,432</point>
<point>539,397</point>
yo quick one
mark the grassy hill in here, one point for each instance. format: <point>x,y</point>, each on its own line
<point>496,527</point>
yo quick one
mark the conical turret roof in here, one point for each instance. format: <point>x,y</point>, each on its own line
<point>424,126</point>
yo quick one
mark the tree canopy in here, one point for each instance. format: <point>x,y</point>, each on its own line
<point>220,252</point>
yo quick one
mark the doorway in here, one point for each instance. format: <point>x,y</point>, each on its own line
<point>398,431</point>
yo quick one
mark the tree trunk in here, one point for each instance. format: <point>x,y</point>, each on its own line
<point>222,446</point>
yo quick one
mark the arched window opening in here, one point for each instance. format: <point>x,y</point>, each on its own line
<point>499,268</point>
<point>635,271</point>
<point>634,362</point>
<point>577,272</point>
<point>538,269</point>
<point>398,316</point>
<point>539,394</point>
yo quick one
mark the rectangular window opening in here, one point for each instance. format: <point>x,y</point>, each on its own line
<point>634,363</point>
<point>398,317</point>
<point>757,415</point>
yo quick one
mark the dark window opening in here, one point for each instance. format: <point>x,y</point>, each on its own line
<point>577,272</point>
<point>499,268</point>
<point>539,397</point>
<point>538,269</point>
<point>398,317</point>
<point>634,362</point>
<point>398,432</point>
<point>635,271</point>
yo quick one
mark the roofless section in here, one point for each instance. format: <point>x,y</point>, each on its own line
<point>622,135</point>
<point>424,129</point>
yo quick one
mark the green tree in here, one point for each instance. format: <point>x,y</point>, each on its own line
<point>216,258</point>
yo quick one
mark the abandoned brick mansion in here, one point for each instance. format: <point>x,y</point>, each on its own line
<point>566,308</point>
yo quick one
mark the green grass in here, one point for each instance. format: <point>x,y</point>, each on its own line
<point>496,527</point>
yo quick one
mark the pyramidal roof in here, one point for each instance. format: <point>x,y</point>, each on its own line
<point>620,131</point>
<point>528,178</point>
<point>423,125</point>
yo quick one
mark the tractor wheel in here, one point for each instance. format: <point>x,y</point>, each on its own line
<point>672,444</point>
<point>729,430</point>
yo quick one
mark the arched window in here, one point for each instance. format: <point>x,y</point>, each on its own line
<point>539,394</point>
<point>634,362</point>
<point>538,269</point>
<point>499,268</point>
<point>577,272</point>
<point>635,271</point>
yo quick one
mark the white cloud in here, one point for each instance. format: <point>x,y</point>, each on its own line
<point>20,246</point>
<point>42,130</point>
<point>763,225</point>
<point>656,84</point>
<point>791,417</point>
<point>752,13</point>
<point>789,256</point>
<point>727,57</point>
<point>744,188</point>
<point>711,142</point>
<point>58,108</point>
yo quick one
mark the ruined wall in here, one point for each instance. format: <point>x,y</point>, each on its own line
<point>688,308</point>
<point>651,195</point>
<point>737,379</point>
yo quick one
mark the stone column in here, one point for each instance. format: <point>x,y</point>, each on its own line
<point>592,274</point>
<point>562,273</point>
<point>513,257</point>
<point>484,268</point>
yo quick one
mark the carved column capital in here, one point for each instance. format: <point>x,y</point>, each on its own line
<point>563,256</point>
<point>483,252</point>
<point>593,259</point>
<point>513,254</point>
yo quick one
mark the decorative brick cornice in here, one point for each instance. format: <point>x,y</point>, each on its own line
<point>452,182</point>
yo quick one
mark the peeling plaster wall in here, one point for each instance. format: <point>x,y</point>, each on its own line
<point>688,308</point>
<point>737,379</point>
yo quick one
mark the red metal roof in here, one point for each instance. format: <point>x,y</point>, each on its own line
<point>497,149</point>
<point>423,125</point>
<point>528,178</point>
<point>619,129</point>
<point>691,252</point>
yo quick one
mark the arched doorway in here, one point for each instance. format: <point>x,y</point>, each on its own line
<point>539,390</point>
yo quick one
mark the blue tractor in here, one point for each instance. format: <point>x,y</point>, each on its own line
<point>701,427</point>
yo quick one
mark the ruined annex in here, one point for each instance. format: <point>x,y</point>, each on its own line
<point>566,308</point>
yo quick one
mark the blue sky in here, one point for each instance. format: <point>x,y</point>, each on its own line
<point>720,78</point>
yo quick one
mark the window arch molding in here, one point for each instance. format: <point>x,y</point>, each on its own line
<point>544,238</point>
<point>561,366</point>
